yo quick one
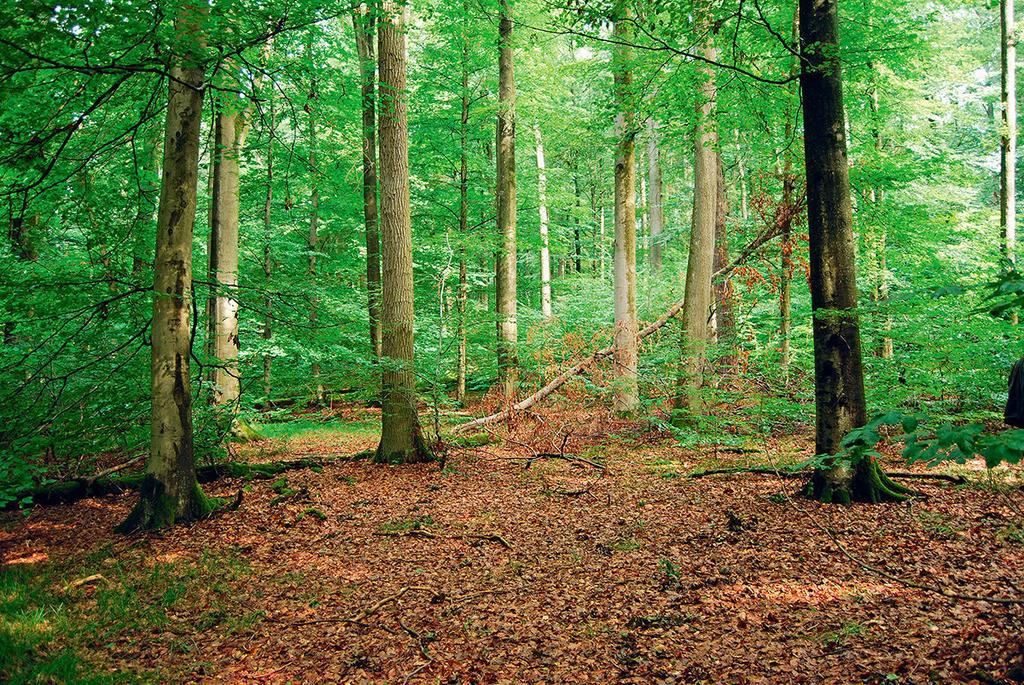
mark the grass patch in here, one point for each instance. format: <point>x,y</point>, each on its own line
<point>54,628</point>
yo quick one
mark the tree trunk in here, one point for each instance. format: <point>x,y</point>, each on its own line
<point>626,399</point>
<point>505,273</point>
<point>170,493</point>
<point>877,195</point>
<point>223,264</point>
<point>838,376</point>
<point>401,439</point>
<point>363,24</point>
<point>545,252</point>
<point>654,192</point>
<point>788,207</point>
<point>268,264</point>
<point>577,207</point>
<point>1008,133</point>
<point>725,322</point>
<point>313,240</point>
<point>460,386</point>
<point>702,238</point>
<point>149,195</point>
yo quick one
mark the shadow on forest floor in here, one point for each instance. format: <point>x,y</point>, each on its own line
<point>618,568</point>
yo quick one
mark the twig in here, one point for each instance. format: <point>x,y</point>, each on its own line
<point>566,457</point>
<point>421,533</point>
<point>359,618</point>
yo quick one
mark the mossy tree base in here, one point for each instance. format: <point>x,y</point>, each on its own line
<point>156,509</point>
<point>418,453</point>
<point>864,481</point>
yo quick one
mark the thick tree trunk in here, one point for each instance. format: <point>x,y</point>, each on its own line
<point>363,24</point>
<point>505,193</point>
<point>838,375</point>
<point>626,399</point>
<point>401,439</point>
<point>697,294</point>
<point>169,492</point>
<point>1008,134</point>
<point>654,192</point>
<point>545,252</point>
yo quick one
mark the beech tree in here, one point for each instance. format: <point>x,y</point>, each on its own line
<point>401,439</point>
<point>840,405</point>
<point>505,194</point>
<point>626,399</point>
<point>697,307</point>
<point>169,492</point>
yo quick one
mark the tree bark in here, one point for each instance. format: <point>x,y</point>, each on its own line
<point>654,192</point>
<point>313,239</point>
<point>545,252</point>
<point>170,492</point>
<point>463,300</point>
<point>788,207</point>
<point>626,399</point>
<point>401,439</point>
<point>838,376</point>
<point>267,262</point>
<point>696,309</point>
<point>363,24</point>
<point>505,193</point>
<point>1008,133</point>
<point>722,293</point>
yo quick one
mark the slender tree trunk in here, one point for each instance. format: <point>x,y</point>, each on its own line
<point>545,252</point>
<point>149,196</point>
<point>838,377</point>
<point>722,294</point>
<point>505,273</point>
<point>313,239</point>
<point>401,439</point>
<point>169,492</point>
<point>626,399</point>
<point>788,207</point>
<point>654,192</point>
<point>881,290</point>
<point>1008,133</point>
<point>741,168</point>
<point>460,387</point>
<point>702,237</point>
<point>577,238</point>
<point>363,24</point>
<point>600,243</point>
<point>268,263</point>
<point>223,265</point>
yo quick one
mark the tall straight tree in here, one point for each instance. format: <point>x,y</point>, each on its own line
<point>231,128</point>
<point>505,193</point>
<point>313,238</point>
<point>363,21</point>
<point>1008,134</point>
<point>838,376</point>
<point>654,195</point>
<point>170,493</point>
<point>401,439</point>
<point>463,298</point>
<point>626,399</point>
<point>542,207</point>
<point>697,305</point>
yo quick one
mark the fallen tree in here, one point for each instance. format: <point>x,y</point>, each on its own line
<point>66,492</point>
<point>593,358</point>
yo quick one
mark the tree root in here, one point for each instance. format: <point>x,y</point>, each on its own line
<point>779,473</point>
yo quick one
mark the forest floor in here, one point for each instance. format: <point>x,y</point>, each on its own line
<point>496,569</point>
